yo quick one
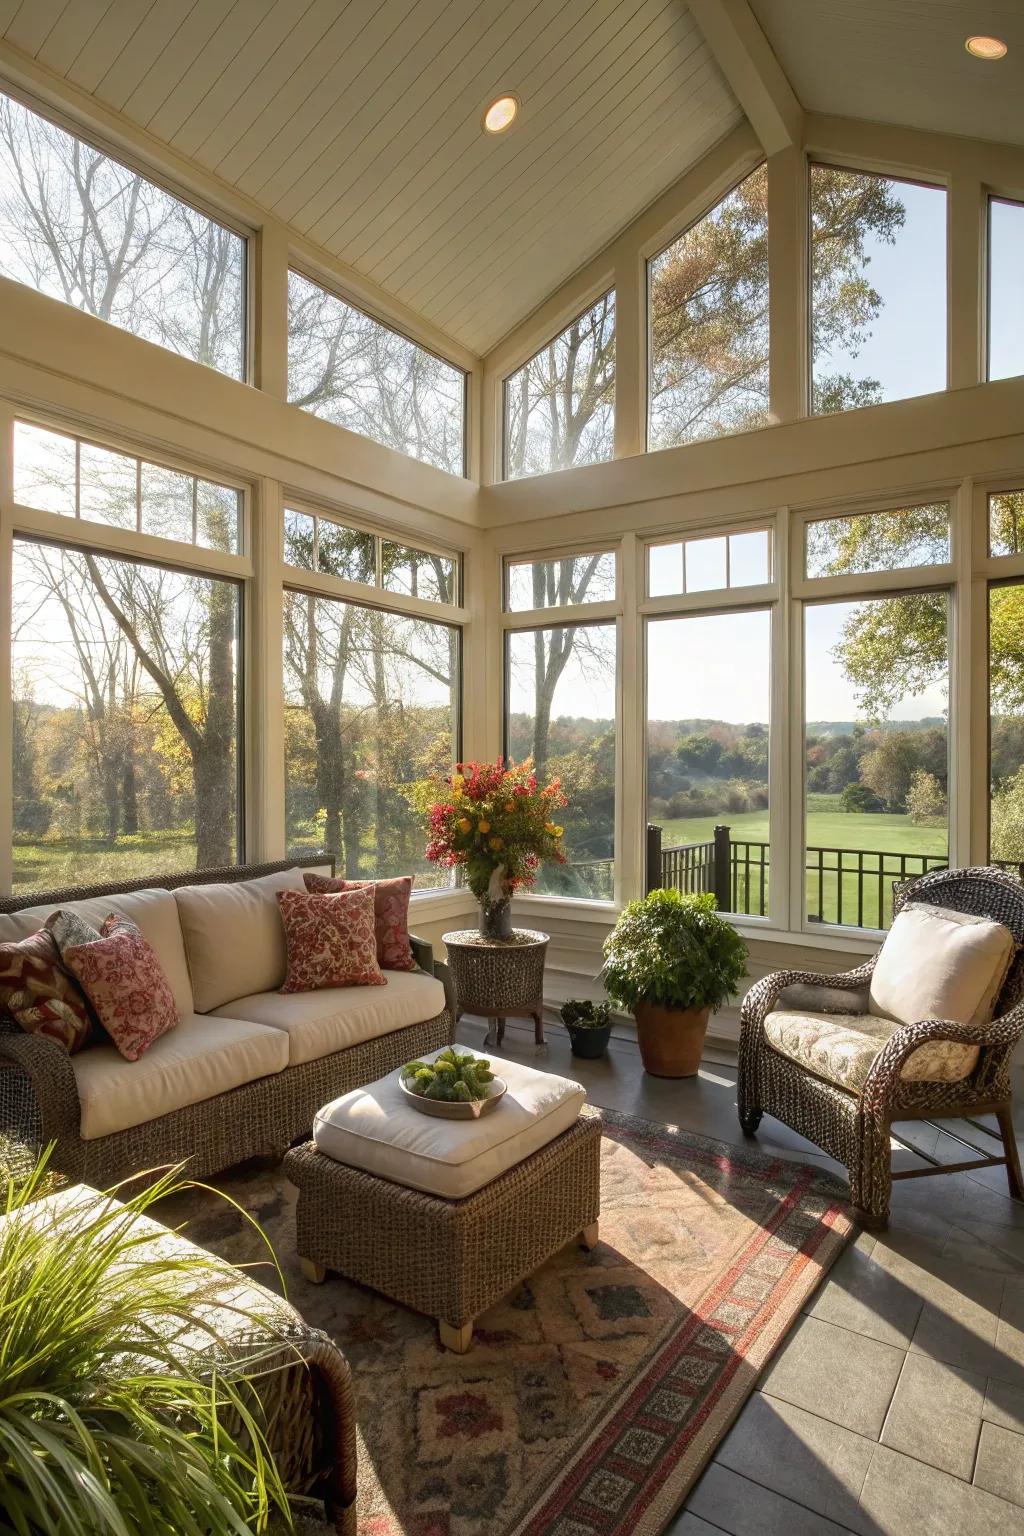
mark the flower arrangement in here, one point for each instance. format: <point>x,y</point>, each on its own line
<point>498,823</point>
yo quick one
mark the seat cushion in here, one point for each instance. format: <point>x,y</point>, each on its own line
<point>154,913</point>
<point>376,1129</point>
<point>319,1023</point>
<point>840,1047</point>
<point>195,1061</point>
<point>940,964</point>
<point>234,937</point>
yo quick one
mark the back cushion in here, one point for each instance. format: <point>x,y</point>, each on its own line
<point>155,914</point>
<point>939,964</point>
<point>234,937</point>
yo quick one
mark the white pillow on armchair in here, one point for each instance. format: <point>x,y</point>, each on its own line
<point>939,964</point>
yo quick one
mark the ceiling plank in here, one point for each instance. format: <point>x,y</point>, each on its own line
<point>747,61</point>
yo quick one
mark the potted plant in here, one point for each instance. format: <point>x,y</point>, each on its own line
<point>495,821</point>
<point>672,959</point>
<point>589,1025</point>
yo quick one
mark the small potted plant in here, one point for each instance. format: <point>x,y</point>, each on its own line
<point>589,1025</point>
<point>672,960</point>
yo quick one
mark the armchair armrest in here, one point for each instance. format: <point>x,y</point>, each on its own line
<point>884,1077</point>
<point>826,991</point>
<point>422,953</point>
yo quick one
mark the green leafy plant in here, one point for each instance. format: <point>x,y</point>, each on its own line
<point>454,1077</point>
<point>673,950</point>
<point>121,1410</point>
<point>582,1013</point>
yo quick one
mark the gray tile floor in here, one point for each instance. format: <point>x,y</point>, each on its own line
<point>896,1404</point>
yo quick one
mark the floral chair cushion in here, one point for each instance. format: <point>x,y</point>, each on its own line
<point>840,1047</point>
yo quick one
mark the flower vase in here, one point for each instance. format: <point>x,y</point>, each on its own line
<point>496,907</point>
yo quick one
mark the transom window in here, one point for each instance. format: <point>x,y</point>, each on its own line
<point>55,472</point>
<point>560,583</point>
<point>892,540</point>
<point>315,541</point>
<point>1006,523</point>
<point>559,408</point>
<point>709,564</point>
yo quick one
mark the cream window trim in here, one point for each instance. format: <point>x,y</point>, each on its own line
<point>561,618</point>
<point>149,547</point>
<point>318,583</point>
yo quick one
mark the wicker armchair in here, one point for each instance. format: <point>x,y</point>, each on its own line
<point>854,1127</point>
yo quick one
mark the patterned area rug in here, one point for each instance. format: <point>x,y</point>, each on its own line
<point>595,1394</point>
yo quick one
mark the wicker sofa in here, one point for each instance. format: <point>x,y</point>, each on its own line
<point>246,1068</point>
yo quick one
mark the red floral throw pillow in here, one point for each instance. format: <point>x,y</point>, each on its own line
<point>390,915</point>
<point>40,995</point>
<point>330,940</point>
<point>125,982</point>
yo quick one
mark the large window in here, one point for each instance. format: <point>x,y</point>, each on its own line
<point>559,408</point>
<point>350,369</point>
<point>878,288</point>
<point>708,711</point>
<point>1005,288</point>
<point>371,707</point>
<point>79,226</point>
<point>708,317</point>
<point>1006,721</point>
<point>560,688</point>
<point>125,717</point>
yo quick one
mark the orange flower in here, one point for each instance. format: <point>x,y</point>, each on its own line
<point>495,843</point>
<point>484,828</point>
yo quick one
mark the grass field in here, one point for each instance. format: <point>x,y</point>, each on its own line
<point>84,861</point>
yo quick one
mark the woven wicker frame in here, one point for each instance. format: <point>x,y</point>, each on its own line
<point>855,1128</point>
<point>451,1259</point>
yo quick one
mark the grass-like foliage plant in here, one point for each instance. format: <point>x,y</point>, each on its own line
<point>121,1410</point>
<point>675,951</point>
<point>583,1013</point>
<point>454,1077</point>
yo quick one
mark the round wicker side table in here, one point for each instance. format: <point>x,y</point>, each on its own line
<point>498,978</point>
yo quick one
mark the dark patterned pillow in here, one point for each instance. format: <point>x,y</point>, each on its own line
<point>40,995</point>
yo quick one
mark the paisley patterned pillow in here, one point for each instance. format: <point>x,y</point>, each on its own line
<point>40,995</point>
<point>125,982</point>
<point>390,914</point>
<point>330,940</point>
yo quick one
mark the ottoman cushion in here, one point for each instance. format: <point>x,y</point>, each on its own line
<point>376,1129</point>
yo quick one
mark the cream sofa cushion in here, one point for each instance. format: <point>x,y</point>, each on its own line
<point>938,964</point>
<point>841,1047</point>
<point>318,1023</point>
<point>192,1062</point>
<point>376,1129</point>
<point>234,936</point>
<point>155,914</point>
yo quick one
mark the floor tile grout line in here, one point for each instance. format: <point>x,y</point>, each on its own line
<point>888,1411</point>
<point>788,1498</point>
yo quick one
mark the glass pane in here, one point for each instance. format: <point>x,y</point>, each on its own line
<point>417,573</point>
<point>167,503</point>
<point>749,558</point>
<point>561,713</point>
<point>560,406</point>
<point>352,370</point>
<point>115,777</point>
<point>878,279</point>
<point>1006,723</point>
<point>705,567</point>
<point>708,711</point>
<point>709,323</point>
<point>1006,289</point>
<point>876,752</point>
<point>79,226</point>
<point>1006,523</point>
<point>44,469</point>
<point>109,490</point>
<point>665,570</point>
<point>371,706</point>
<point>561,583</point>
<point>346,552</point>
<point>218,516</point>
<point>299,539</point>
<point>878,541</point>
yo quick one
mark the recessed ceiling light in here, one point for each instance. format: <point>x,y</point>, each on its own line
<point>501,114</point>
<point>986,47</point>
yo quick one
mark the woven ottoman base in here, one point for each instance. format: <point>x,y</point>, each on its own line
<point>451,1259</point>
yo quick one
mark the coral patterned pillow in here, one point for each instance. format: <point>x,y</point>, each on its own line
<point>330,940</point>
<point>125,982</point>
<point>390,915</point>
<point>38,993</point>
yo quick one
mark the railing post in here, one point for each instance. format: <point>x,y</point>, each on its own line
<point>653,877</point>
<point>722,884</point>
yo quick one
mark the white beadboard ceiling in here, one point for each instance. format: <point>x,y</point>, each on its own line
<point>903,61</point>
<point>358,123</point>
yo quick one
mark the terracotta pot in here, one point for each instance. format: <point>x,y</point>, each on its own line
<point>671,1040</point>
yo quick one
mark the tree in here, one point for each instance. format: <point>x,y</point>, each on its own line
<point>858,799</point>
<point>926,802</point>
<point>559,407</point>
<point>888,767</point>
<point>1007,819</point>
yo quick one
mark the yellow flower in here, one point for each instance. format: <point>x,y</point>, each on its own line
<point>465,825</point>
<point>559,831</point>
<point>495,843</point>
<point>484,828</point>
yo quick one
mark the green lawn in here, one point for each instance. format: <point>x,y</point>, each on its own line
<point>84,861</point>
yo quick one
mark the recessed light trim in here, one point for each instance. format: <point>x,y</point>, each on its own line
<point>989,48</point>
<point>501,113</point>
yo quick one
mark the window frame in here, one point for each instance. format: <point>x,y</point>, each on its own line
<point>992,197</point>
<point>699,601</point>
<point>336,289</point>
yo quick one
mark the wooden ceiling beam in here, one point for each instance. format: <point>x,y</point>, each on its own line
<point>746,59</point>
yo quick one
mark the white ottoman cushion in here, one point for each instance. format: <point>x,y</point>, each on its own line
<point>376,1129</point>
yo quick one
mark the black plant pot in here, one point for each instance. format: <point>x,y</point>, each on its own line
<point>591,1042</point>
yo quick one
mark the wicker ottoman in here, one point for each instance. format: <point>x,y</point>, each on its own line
<point>497,1209</point>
